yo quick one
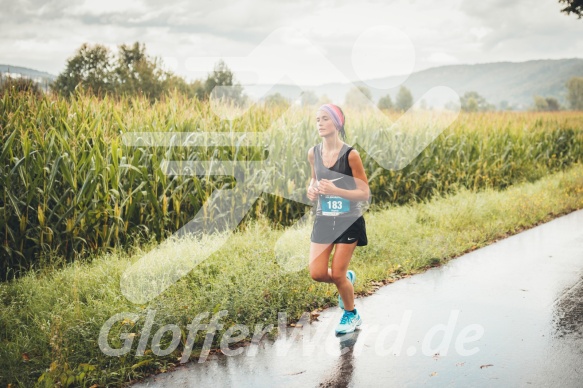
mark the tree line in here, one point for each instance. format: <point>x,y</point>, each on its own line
<point>574,98</point>
<point>471,101</point>
<point>96,70</point>
<point>133,72</point>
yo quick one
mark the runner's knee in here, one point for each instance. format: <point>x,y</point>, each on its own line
<point>338,276</point>
<point>319,276</point>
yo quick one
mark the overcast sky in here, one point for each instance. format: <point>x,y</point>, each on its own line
<point>268,41</point>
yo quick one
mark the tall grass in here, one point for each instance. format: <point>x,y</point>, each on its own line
<point>70,186</point>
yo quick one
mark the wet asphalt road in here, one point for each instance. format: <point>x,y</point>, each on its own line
<point>509,314</point>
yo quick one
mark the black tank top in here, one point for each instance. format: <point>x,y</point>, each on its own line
<point>341,169</point>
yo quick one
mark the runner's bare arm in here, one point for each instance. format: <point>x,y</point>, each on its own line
<point>312,192</point>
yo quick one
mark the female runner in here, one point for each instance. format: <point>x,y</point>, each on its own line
<point>339,184</point>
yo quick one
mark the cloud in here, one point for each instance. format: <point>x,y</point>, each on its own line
<point>43,34</point>
<point>441,58</point>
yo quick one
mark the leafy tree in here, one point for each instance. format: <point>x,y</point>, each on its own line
<point>137,73</point>
<point>220,84</point>
<point>309,98</point>
<point>19,85</point>
<point>504,105</point>
<point>385,103</point>
<point>197,88</point>
<point>174,82</point>
<point>132,72</point>
<point>404,99</point>
<point>89,67</point>
<point>573,6</point>
<point>358,97</point>
<point>575,93</point>
<point>548,104</point>
<point>277,100</point>
<point>473,102</point>
<point>553,104</point>
<point>194,89</point>
<point>452,105</point>
<point>540,104</point>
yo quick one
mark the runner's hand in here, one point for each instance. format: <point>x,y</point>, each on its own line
<point>312,193</point>
<point>326,187</point>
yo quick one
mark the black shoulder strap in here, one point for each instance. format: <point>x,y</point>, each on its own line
<point>350,148</point>
<point>316,159</point>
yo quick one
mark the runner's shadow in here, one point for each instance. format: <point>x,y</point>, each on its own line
<point>341,374</point>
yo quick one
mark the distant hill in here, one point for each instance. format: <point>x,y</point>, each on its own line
<point>513,82</point>
<point>40,77</point>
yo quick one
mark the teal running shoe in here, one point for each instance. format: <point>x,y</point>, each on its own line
<point>349,322</point>
<point>350,275</point>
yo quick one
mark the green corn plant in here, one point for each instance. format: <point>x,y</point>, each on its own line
<point>70,187</point>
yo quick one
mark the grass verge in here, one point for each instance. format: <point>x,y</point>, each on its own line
<point>50,321</point>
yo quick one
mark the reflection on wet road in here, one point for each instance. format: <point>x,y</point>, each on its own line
<point>509,314</point>
<point>569,312</point>
<point>341,374</point>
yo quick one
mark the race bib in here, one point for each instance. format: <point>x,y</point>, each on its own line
<point>332,205</point>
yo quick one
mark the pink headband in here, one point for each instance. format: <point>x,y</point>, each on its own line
<point>335,113</point>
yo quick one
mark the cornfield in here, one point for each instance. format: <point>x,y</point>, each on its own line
<point>72,187</point>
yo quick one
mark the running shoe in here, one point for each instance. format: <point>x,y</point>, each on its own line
<point>351,275</point>
<point>349,322</point>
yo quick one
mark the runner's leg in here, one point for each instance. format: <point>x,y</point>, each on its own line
<point>319,258</point>
<point>340,262</point>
